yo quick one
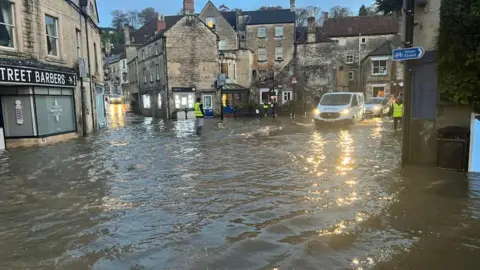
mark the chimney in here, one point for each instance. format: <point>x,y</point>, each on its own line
<point>325,17</point>
<point>161,24</point>
<point>312,27</point>
<point>292,5</point>
<point>126,32</point>
<point>188,7</point>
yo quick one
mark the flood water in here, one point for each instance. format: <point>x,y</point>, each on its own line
<point>248,194</point>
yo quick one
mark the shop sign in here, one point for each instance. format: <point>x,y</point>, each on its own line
<point>56,110</point>
<point>183,89</point>
<point>32,76</point>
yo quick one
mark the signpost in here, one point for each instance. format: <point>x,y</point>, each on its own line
<point>221,79</point>
<point>404,54</point>
<point>294,80</point>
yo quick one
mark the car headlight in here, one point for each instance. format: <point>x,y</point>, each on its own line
<point>376,108</point>
<point>316,112</point>
<point>345,111</point>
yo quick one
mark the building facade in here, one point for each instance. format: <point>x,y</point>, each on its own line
<point>42,97</point>
<point>116,78</point>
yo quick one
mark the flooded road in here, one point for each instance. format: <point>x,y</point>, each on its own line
<point>248,194</point>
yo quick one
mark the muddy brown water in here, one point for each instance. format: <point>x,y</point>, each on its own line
<point>248,194</point>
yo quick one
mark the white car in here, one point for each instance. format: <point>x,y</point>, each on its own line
<point>378,106</point>
<point>345,107</point>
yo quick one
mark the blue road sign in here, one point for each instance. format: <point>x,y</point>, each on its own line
<point>408,54</point>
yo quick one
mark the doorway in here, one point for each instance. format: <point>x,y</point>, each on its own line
<point>208,104</point>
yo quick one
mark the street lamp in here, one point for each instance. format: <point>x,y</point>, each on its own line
<point>221,56</point>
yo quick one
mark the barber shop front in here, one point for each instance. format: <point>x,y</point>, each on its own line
<point>36,106</point>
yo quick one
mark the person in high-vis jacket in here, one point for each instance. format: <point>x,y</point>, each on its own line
<point>397,112</point>
<point>199,115</point>
<point>265,107</point>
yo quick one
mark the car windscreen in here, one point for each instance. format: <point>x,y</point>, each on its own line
<point>336,100</point>
<point>375,101</point>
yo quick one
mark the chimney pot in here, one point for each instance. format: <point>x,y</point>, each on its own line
<point>292,5</point>
<point>325,16</point>
<point>161,24</point>
<point>126,33</point>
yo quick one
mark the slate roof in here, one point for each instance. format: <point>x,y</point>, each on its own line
<point>364,25</point>
<point>270,16</point>
<point>144,33</point>
<point>302,35</point>
<point>231,18</point>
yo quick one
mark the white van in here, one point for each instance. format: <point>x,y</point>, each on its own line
<point>348,107</point>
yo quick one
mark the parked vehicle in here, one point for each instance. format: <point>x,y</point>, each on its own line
<point>116,99</point>
<point>345,107</point>
<point>378,106</point>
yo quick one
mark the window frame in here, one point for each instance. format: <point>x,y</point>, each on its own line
<point>224,42</point>
<point>56,38</point>
<point>282,34</point>
<point>146,105</point>
<point>351,75</point>
<point>150,73</point>
<point>363,40</point>
<point>14,31</point>
<point>385,73</point>
<point>157,71</point>
<point>349,55</point>
<point>289,94</point>
<point>277,53</point>
<point>264,31</point>
<point>144,75</point>
<point>258,55</point>
<point>214,22</point>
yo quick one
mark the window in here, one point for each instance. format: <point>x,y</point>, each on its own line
<point>51,25</point>
<point>234,72</point>
<point>222,45</point>
<point>78,40</point>
<point>207,101</point>
<point>146,101</point>
<point>262,32</point>
<point>363,40</point>
<point>159,101</point>
<point>379,67</point>
<point>287,96</point>
<point>156,48</point>
<point>279,31</point>
<point>262,54</point>
<point>143,54</point>
<point>211,22</point>
<point>349,59</point>
<point>224,68</point>
<point>124,76</point>
<point>150,70</point>
<point>7,25</point>
<point>351,75</point>
<point>354,101</point>
<point>147,51</point>
<point>144,75</point>
<point>278,53</point>
<point>124,63</point>
<point>158,72</point>
<point>56,113</point>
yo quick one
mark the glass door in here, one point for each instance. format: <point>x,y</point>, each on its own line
<point>208,102</point>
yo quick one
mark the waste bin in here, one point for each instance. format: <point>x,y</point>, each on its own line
<point>452,148</point>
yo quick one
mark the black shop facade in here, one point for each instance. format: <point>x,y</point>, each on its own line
<point>36,103</point>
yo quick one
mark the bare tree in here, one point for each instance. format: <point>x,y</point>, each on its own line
<point>340,12</point>
<point>133,18</point>
<point>119,18</point>
<point>270,8</point>
<point>147,14</point>
<point>302,15</point>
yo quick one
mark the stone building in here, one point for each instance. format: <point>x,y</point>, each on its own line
<point>133,80</point>
<point>319,70</point>
<point>116,75</point>
<point>381,75</point>
<point>357,37</point>
<point>190,50</point>
<point>42,98</point>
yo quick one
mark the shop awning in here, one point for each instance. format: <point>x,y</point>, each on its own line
<point>232,88</point>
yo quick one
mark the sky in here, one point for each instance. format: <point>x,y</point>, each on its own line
<point>172,7</point>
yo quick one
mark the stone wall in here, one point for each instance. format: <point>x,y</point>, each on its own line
<point>244,67</point>
<point>222,28</point>
<point>192,56</point>
<point>31,43</point>
<point>270,42</point>
<point>427,20</point>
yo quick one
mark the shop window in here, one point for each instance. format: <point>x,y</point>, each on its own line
<point>17,116</point>
<point>51,24</point>
<point>55,114</point>
<point>7,24</point>
<point>146,101</point>
<point>159,101</point>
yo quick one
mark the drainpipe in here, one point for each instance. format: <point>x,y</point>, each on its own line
<point>409,8</point>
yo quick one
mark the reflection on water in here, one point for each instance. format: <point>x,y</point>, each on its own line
<point>253,194</point>
<point>116,115</point>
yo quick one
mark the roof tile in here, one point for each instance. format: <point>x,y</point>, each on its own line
<point>364,25</point>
